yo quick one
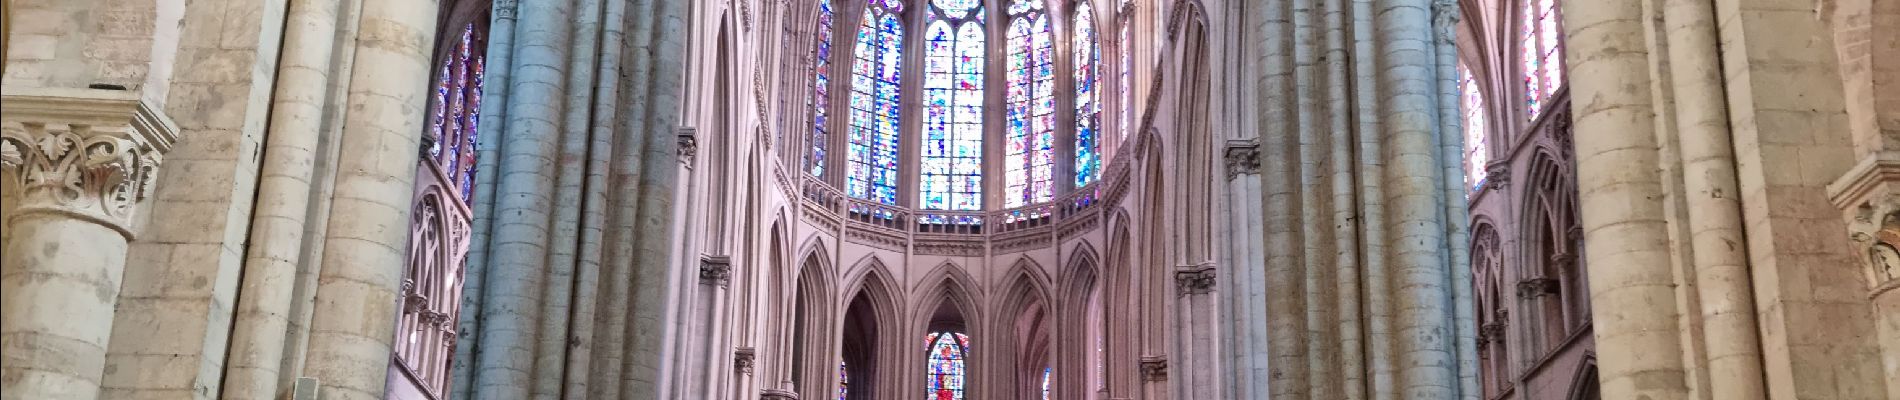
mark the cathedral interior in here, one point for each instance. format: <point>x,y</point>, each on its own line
<point>1063,199</point>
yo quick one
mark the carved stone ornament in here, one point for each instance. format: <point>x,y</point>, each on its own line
<point>689,144</point>
<point>89,154</point>
<point>1536,287</point>
<point>1445,19</point>
<point>743,359</point>
<point>1154,368</point>
<point>1497,176</point>
<point>1195,279</point>
<point>715,270</point>
<point>777,394</point>
<point>1243,158</point>
<point>504,9</point>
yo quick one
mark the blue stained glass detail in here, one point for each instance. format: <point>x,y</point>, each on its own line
<point>873,135</point>
<point>456,114</point>
<point>945,377</point>
<point>1088,97</point>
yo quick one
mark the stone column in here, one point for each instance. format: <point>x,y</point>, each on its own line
<point>353,322</point>
<point>1199,331</point>
<point>77,163</point>
<point>1632,284</point>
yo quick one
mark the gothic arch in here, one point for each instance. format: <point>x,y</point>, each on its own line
<point>1080,315</point>
<point>1550,273</point>
<point>812,351</point>
<point>949,301</point>
<point>871,342</point>
<point>1584,386</point>
<point>1021,327</point>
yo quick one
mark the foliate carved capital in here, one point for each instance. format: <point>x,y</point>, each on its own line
<point>743,360</point>
<point>777,394</point>
<point>1536,287</point>
<point>715,270</point>
<point>85,153</point>
<point>1193,280</point>
<point>1154,368</point>
<point>1491,332</point>
<point>688,144</point>
<point>1445,19</point>
<point>1243,158</point>
<point>1497,176</point>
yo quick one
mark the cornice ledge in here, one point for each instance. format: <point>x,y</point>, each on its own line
<point>155,130</point>
<point>1852,188</point>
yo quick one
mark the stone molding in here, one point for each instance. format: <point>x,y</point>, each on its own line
<point>1445,18</point>
<point>1195,279</point>
<point>777,394</point>
<point>1869,199</point>
<point>1154,368</point>
<point>1243,158</point>
<point>90,154</point>
<point>504,9</point>
<point>743,360</point>
<point>715,270</point>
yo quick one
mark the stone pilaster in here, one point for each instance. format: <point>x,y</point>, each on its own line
<point>77,163</point>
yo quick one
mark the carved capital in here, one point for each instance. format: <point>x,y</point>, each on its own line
<point>1497,176</point>
<point>688,144</point>
<point>1154,368</point>
<point>1198,279</point>
<point>1536,287</point>
<point>1491,332</point>
<point>777,394</point>
<point>84,153</point>
<point>1445,19</point>
<point>715,270</point>
<point>504,9</point>
<point>743,359</point>
<point>1243,158</point>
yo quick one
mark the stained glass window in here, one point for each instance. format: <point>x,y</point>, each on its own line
<point>1476,148</point>
<point>1542,54</point>
<point>872,148</point>
<point>1088,97</point>
<point>1128,71</point>
<point>1029,165</point>
<point>458,97</point>
<point>952,161</point>
<point>821,90</point>
<point>946,375</point>
<point>1045,382</point>
<point>844,381</point>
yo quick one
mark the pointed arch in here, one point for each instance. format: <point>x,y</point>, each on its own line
<point>1549,243</point>
<point>870,350</point>
<point>1584,384</point>
<point>1021,329</point>
<point>813,355</point>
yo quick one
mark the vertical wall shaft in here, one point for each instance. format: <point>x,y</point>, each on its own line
<point>1715,214</point>
<point>1631,285</point>
<point>1409,106</point>
<point>496,82</point>
<point>356,307</point>
<point>283,201</point>
<point>550,353</point>
<point>513,283</point>
<point>595,213</point>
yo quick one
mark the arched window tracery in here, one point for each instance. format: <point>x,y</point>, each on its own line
<point>1029,162</point>
<point>1541,54</point>
<point>876,73</point>
<point>1488,283</point>
<point>1477,144</point>
<point>1088,96</point>
<point>954,65</point>
<point>439,229</point>
<point>945,379</point>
